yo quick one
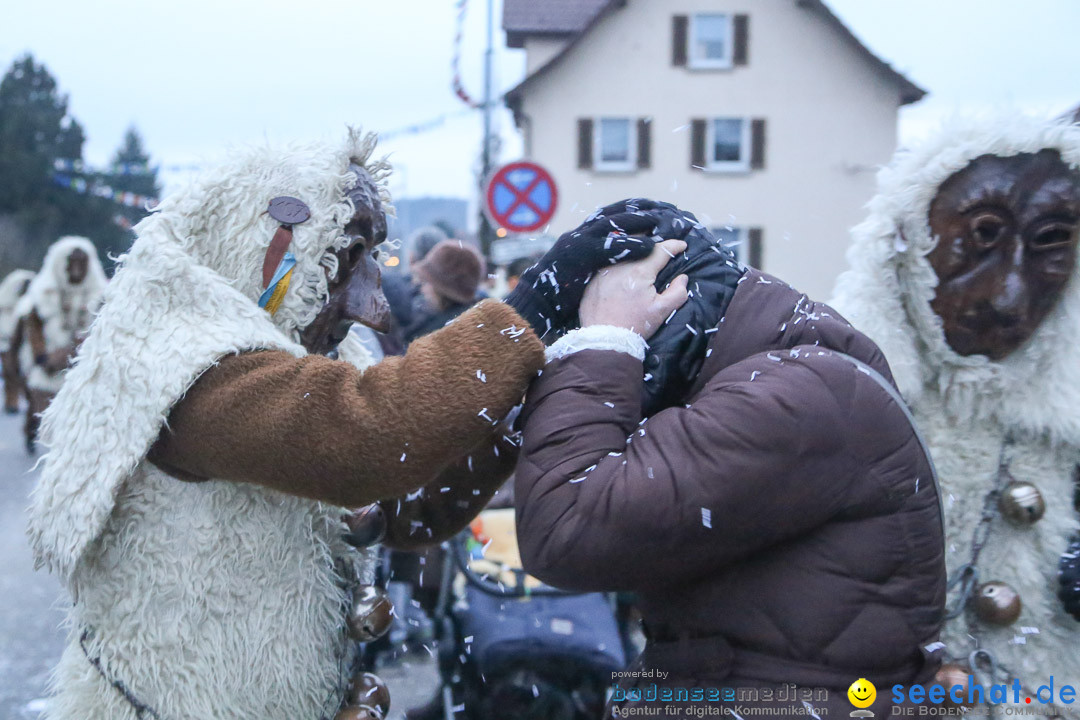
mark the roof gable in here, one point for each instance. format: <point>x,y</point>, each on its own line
<point>547,17</point>
<point>576,18</point>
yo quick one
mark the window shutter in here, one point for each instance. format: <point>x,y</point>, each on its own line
<point>644,143</point>
<point>741,52</point>
<point>584,143</point>
<point>679,25</point>
<point>755,250</point>
<point>757,144</point>
<point>697,142</point>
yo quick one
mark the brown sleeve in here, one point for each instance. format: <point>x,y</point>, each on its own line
<point>443,508</point>
<point>321,429</point>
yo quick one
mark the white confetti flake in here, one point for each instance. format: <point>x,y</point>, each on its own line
<point>754,375</point>
<point>481,376</point>
<point>706,517</point>
<point>610,404</point>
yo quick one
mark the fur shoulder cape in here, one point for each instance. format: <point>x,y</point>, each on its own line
<point>185,296</point>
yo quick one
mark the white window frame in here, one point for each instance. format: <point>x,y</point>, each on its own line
<point>695,61</point>
<point>745,149</point>
<point>599,163</point>
<point>739,246</point>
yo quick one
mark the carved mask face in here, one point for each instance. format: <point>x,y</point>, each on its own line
<point>78,264</point>
<point>1006,230</point>
<point>356,291</point>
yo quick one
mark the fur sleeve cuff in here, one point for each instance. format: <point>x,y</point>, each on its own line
<point>598,337</point>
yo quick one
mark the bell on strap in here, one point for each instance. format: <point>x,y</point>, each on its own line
<point>367,526</point>
<point>357,712</point>
<point>371,614</point>
<point>995,603</point>
<point>947,676</point>
<point>1021,504</point>
<point>367,691</point>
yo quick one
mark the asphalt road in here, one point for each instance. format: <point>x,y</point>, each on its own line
<point>32,605</point>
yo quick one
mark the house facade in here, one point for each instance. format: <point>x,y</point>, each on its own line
<point>766,118</point>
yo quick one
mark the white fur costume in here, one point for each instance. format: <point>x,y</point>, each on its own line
<point>212,600</point>
<point>65,310</point>
<point>967,405</point>
<point>9,298</point>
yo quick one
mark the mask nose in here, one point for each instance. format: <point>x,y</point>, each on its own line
<point>367,304</point>
<point>1010,294</point>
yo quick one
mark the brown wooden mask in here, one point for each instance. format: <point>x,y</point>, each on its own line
<point>1006,230</point>
<point>356,290</point>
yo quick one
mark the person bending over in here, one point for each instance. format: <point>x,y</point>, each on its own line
<point>779,518</point>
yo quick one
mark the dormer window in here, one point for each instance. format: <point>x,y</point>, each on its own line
<point>711,41</point>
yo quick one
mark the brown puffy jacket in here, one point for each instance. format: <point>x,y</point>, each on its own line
<point>783,527</point>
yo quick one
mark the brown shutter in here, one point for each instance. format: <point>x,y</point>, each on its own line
<point>584,143</point>
<point>755,249</point>
<point>757,144</point>
<point>697,144</point>
<point>679,25</point>
<point>741,52</point>
<point>644,143</point>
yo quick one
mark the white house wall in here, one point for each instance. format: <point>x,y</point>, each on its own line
<point>831,120</point>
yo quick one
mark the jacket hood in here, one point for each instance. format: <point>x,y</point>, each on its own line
<point>887,291</point>
<point>221,219</point>
<point>766,314</point>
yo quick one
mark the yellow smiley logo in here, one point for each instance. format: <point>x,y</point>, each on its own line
<point>862,693</point>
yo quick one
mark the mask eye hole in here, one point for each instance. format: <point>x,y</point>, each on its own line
<point>1053,236</point>
<point>987,229</point>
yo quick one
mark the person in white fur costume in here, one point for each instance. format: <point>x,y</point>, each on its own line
<point>965,274</point>
<point>201,451</point>
<point>55,314</point>
<point>11,289</point>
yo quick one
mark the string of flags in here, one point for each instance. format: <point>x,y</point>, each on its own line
<point>67,165</point>
<point>458,85</point>
<point>101,190</point>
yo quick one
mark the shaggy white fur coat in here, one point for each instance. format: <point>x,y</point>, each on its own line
<point>65,310</point>
<point>9,298</point>
<point>213,600</point>
<point>967,405</point>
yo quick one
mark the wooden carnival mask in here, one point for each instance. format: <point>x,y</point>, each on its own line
<point>356,290</point>
<point>1006,230</point>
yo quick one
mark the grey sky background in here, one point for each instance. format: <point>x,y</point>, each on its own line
<point>200,76</point>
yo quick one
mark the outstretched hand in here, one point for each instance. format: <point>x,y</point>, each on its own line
<point>625,296</point>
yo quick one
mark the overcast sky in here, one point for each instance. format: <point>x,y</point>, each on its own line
<point>198,76</point>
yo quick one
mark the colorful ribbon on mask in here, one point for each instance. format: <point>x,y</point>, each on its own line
<point>274,293</point>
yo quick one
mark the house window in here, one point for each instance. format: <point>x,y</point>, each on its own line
<point>744,243</point>
<point>732,238</point>
<point>728,145</point>
<point>711,41</point>
<point>615,144</point>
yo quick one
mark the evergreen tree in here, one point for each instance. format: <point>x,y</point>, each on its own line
<point>36,131</point>
<point>131,172</point>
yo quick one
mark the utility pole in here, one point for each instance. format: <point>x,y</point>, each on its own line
<point>487,233</point>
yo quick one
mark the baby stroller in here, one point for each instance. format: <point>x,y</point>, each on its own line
<point>511,647</point>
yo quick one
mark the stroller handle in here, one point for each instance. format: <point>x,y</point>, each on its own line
<point>460,553</point>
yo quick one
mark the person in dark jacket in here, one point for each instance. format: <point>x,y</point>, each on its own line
<point>448,278</point>
<point>781,525</point>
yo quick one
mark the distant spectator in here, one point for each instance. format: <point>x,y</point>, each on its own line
<point>449,277</point>
<point>401,290</point>
<point>515,268</point>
